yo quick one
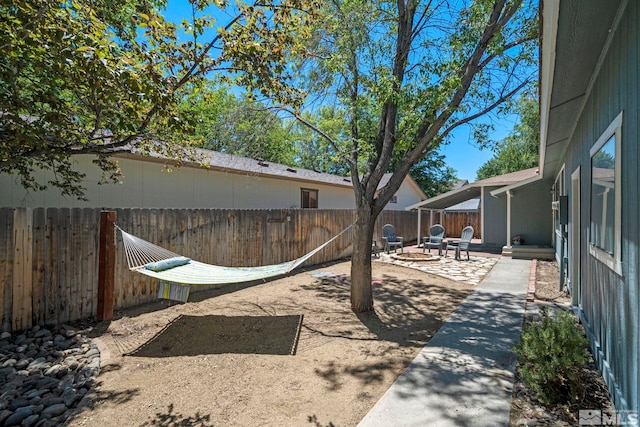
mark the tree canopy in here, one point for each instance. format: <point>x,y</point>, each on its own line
<point>230,122</point>
<point>519,150</point>
<point>227,121</point>
<point>84,76</point>
<point>404,75</point>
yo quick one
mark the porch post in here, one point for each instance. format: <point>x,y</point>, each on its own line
<point>509,218</point>
<point>482,214</point>
<point>419,236</point>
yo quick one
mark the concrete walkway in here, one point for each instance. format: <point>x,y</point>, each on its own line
<point>464,375</point>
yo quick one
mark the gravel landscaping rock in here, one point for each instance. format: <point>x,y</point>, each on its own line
<point>44,373</point>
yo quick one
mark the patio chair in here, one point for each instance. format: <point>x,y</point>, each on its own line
<point>436,234</point>
<point>463,244</point>
<point>390,239</point>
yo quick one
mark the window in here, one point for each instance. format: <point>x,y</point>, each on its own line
<point>394,199</point>
<point>605,214</point>
<point>558,190</point>
<point>309,198</point>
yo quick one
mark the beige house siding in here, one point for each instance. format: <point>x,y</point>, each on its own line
<point>407,194</point>
<point>146,184</point>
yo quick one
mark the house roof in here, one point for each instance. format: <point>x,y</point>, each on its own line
<point>459,183</point>
<point>467,205</point>
<point>576,37</point>
<point>474,189</point>
<point>412,182</point>
<point>244,165</point>
<point>565,48</point>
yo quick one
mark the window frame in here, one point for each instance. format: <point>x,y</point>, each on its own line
<point>309,191</point>
<point>612,261</point>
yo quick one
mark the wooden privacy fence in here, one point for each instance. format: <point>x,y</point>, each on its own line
<point>49,256</point>
<point>454,222</point>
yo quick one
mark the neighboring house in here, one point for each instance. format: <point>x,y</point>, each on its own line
<point>471,205</point>
<point>589,160</point>
<point>231,182</point>
<point>529,214</point>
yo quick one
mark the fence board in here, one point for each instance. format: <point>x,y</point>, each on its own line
<point>39,276</point>
<point>454,222</point>
<point>75,264</point>
<point>51,265</point>
<point>89,263</point>
<point>64,266</point>
<point>22,269</point>
<point>6,267</point>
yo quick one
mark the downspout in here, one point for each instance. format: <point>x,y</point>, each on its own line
<point>509,195</point>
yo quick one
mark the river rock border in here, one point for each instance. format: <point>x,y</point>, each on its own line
<point>44,373</point>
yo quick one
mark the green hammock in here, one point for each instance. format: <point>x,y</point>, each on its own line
<point>154,261</point>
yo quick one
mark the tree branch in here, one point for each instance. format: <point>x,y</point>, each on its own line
<point>313,128</point>
<point>486,110</point>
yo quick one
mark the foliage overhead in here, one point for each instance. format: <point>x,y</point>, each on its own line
<point>227,122</point>
<point>433,175</point>
<point>99,77</point>
<point>234,124</point>
<point>519,150</point>
<point>405,75</point>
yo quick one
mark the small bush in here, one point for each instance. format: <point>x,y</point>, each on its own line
<point>552,353</point>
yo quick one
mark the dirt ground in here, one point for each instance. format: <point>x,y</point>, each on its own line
<point>525,410</point>
<point>289,352</point>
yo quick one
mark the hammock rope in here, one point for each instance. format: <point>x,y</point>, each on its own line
<point>140,253</point>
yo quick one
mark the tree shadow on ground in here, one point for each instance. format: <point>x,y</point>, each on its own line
<point>96,395</point>
<point>470,359</point>
<point>313,419</point>
<point>407,314</point>
<point>408,317</point>
<point>171,419</point>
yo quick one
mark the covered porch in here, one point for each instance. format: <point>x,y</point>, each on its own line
<point>524,212</point>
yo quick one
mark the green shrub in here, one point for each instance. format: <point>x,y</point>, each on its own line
<point>552,353</point>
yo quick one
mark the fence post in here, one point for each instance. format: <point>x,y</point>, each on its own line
<point>22,269</point>
<point>106,266</point>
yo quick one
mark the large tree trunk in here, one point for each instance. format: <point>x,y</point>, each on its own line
<point>361,292</point>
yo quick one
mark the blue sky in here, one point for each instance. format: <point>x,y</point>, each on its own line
<point>461,154</point>
<point>465,157</point>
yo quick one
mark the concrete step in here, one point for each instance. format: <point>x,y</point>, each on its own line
<point>529,252</point>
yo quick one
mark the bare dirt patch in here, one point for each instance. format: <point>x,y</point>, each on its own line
<point>525,409</point>
<point>289,352</point>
